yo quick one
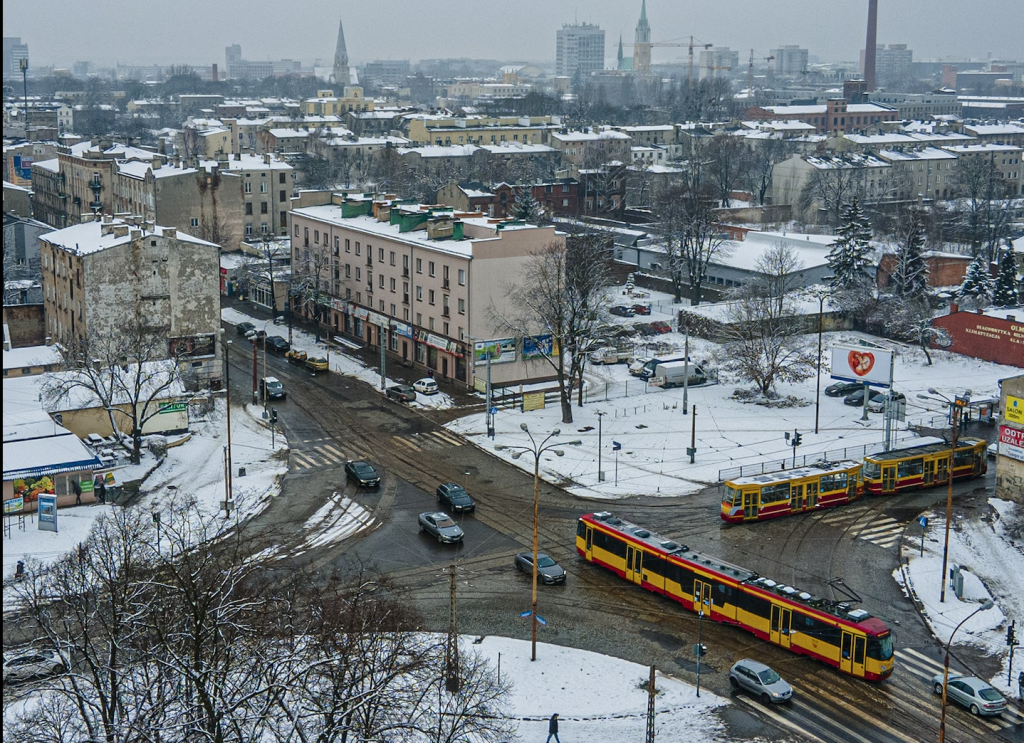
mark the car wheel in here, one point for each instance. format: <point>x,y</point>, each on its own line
<point>938,688</point>
<point>975,710</point>
<point>519,566</point>
<point>733,682</point>
<point>439,540</point>
<point>766,699</point>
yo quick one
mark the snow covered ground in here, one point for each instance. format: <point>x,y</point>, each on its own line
<point>341,363</point>
<point>993,567</point>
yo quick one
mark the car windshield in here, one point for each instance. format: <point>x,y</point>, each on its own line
<point>365,469</point>
<point>990,695</point>
<point>444,522</point>
<point>274,385</point>
<point>768,677</point>
<point>545,562</point>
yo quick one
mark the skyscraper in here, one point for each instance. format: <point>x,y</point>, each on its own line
<point>790,59</point>
<point>341,75</point>
<point>579,50</point>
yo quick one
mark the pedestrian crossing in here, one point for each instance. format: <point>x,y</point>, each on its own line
<point>925,669</point>
<point>328,452</point>
<point>862,523</point>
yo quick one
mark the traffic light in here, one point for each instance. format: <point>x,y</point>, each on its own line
<point>1011,638</point>
<point>796,439</point>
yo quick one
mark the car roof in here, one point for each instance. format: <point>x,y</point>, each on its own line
<point>271,380</point>
<point>360,463</point>
<point>436,514</point>
<point>754,665</point>
<point>425,380</point>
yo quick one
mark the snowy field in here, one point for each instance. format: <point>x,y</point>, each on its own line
<point>340,363</point>
<point>654,432</point>
<point>993,567</point>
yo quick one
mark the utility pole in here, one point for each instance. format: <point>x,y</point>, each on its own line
<point>23,64</point>
<point>686,369</point>
<point>451,648</point>
<point>600,474</point>
<point>692,451</point>
<point>227,449</point>
<point>382,336</point>
<point>650,708</point>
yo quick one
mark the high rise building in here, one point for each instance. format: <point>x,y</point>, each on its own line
<point>893,64</point>
<point>718,60</point>
<point>790,59</point>
<point>342,75</point>
<point>14,52</point>
<point>579,50</point>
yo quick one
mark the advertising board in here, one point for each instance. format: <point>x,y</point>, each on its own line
<point>1014,409</point>
<point>862,364</point>
<point>501,350</point>
<point>1011,443</point>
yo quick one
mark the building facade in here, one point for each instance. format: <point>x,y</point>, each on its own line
<point>1010,458</point>
<point>579,50</point>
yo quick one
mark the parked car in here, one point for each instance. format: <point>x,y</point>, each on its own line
<point>877,404</point>
<point>842,389</point>
<point>992,450</point>
<point>402,393</point>
<point>363,473</point>
<point>549,572</point>
<point>296,357</point>
<point>661,327</point>
<point>857,398</point>
<point>277,344</point>
<point>642,308</point>
<point>441,526</point>
<point>257,336</point>
<point>21,665</point>
<point>455,497</point>
<point>677,374</point>
<point>760,680</point>
<point>976,695</point>
<point>644,328</point>
<point>316,363</point>
<point>622,310</point>
<point>637,365</point>
<point>608,355</point>
<point>426,386</point>
<point>244,328</point>
<point>272,389</point>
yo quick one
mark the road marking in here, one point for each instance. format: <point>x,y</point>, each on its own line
<point>778,718</point>
<point>880,526</point>
<point>304,459</point>
<point>853,710</point>
<point>405,442</point>
<point>334,451</point>
<point>449,438</point>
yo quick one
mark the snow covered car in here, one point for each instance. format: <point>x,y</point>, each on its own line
<point>29,664</point>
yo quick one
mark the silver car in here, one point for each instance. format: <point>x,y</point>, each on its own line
<point>29,664</point>
<point>441,526</point>
<point>973,693</point>
<point>759,680</point>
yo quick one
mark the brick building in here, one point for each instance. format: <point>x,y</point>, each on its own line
<point>992,335</point>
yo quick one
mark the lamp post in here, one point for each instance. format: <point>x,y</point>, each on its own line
<point>985,606</point>
<point>954,419</point>
<point>820,294</point>
<point>265,366</point>
<point>537,450</point>
<point>600,417</point>
<point>226,344</point>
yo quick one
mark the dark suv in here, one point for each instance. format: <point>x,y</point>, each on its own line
<point>277,344</point>
<point>455,497</point>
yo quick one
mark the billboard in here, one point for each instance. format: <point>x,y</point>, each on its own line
<point>1011,443</point>
<point>501,350</point>
<point>538,346</point>
<point>862,364</point>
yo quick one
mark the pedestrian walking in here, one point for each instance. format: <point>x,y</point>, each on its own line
<point>553,729</point>
<point>77,488</point>
<point>101,489</point>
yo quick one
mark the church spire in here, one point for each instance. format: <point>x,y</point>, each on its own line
<point>619,59</point>
<point>341,75</point>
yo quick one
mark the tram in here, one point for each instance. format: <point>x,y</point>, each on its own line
<point>770,495</point>
<point>923,466</point>
<point>850,640</point>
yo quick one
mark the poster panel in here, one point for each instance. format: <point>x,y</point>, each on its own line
<point>862,364</point>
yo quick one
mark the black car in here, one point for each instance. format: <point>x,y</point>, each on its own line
<point>272,388</point>
<point>622,310</point>
<point>364,474</point>
<point>278,345</point>
<point>842,389</point>
<point>857,398</point>
<point>244,328</point>
<point>402,393</point>
<point>455,497</point>
<point>548,571</point>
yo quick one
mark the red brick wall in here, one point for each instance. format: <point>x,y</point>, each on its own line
<point>26,324</point>
<point>943,270</point>
<point>989,338</point>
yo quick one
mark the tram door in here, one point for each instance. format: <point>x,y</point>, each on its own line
<point>851,658</point>
<point>941,469</point>
<point>634,568</point>
<point>702,597</point>
<point>590,543</point>
<point>781,618</point>
<point>811,500</point>
<point>888,478</point>
<point>929,472</point>
<point>750,500</point>
<point>796,497</point>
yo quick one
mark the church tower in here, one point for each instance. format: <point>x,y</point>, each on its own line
<point>642,42</point>
<point>341,76</point>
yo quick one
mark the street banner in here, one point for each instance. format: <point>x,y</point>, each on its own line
<point>1014,409</point>
<point>501,351</point>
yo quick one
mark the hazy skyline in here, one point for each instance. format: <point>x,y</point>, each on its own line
<point>190,31</point>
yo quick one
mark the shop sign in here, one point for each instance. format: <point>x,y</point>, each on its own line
<point>1011,443</point>
<point>1014,409</point>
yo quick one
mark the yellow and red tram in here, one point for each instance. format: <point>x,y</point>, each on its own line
<point>924,465</point>
<point>773,494</point>
<point>850,640</point>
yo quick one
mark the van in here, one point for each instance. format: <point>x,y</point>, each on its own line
<point>673,374</point>
<point>648,369</point>
<point>608,355</point>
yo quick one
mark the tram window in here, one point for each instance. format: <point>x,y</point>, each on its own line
<point>836,481</point>
<point>610,544</point>
<point>963,458</point>
<point>909,467</point>
<point>872,470</point>
<point>682,576</point>
<point>858,651</point>
<point>654,564</point>
<point>775,493</point>
<point>725,594</point>
<point>581,529</point>
<point>733,496</point>
<point>880,648</point>
<point>755,605</point>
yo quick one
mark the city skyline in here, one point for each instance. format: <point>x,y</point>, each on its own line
<point>381,34</point>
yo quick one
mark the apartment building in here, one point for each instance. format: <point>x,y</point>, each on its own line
<point>592,147</point>
<point>328,104</point>
<point>480,130</point>
<point>98,270</point>
<point>429,281</point>
<point>1005,159</point>
<point>579,50</point>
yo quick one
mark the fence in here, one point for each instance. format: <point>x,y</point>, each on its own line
<point>776,465</point>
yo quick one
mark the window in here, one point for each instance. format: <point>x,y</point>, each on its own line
<point>263,187</point>
<point>359,274</point>
<point>195,223</point>
<point>430,268</point>
<point>348,271</point>
<point>419,265</point>
<point>264,228</point>
<point>284,221</point>
<point>392,289</point>
<point>281,196</point>
<point>358,249</point>
<point>462,277</point>
<point>419,318</point>
<point>281,179</point>
<point>248,208</point>
<point>381,255</point>
<point>348,246</point>
<point>392,258</point>
<point>336,241</point>
<point>263,208</point>
<point>462,306</point>
<point>431,295</point>
<point>381,282</point>
<point>248,227</point>
<point>248,187</point>
<point>419,293</point>
<point>431,321</point>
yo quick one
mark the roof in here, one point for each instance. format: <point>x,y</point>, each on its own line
<point>52,165</point>
<point>927,153</point>
<point>968,149</point>
<point>60,452</point>
<point>88,237</point>
<point>590,136</point>
<point>19,358</point>
<point>139,169</point>
<point>246,161</point>
<point>848,160</point>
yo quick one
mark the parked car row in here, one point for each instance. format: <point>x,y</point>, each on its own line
<point>407,393</point>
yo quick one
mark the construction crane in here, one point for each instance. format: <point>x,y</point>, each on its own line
<point>750,71</point>
<point>644,66</point>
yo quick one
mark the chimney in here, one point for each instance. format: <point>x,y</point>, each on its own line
<point>170,232</point>
<point>266,158</point>
<point>870,46</point>
<point>157,163</point>
<point>954,308</point>
<point>136,234</point>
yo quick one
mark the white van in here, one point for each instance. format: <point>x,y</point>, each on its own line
<point>672,374</point>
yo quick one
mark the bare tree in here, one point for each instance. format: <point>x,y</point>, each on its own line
<point>311,282</point>
<point>831,189</point>
<point>728,160</point>
<point>982,217</point>
<point>766,154</point>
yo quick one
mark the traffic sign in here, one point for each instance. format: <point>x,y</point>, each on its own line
<point>616,446</point>
<point>525,613</point>
<point>923,521</point>
<point>494,411</point>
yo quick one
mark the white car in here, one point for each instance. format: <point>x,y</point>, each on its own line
<point>992,450</point>
<point>426,386</point>
<point>28,664</point>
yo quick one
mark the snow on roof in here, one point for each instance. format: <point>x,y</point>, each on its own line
<point>137,169</point>
<point>506,148</point>
<point>434,150</point>
<point>88,237</point>
<point>8,186</point>
<point>62,452</point>
<point>1013,314</point>
<point>927,153</point>
<point>994,129</point>
<point>52,165</point>
<point>247,161</point>
<point>649,128</point>
<point>784,111</point>
<point>788,125</point>
<point>19,358</point>
<point>848,160</point>
<point>589,136</point>
<point>233,260</point>
<point>867,108</point>
<point>366,141</point>
<point>968,149</point>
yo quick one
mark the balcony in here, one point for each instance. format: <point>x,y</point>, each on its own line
<point>446,312</point>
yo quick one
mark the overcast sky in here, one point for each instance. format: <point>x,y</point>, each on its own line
<point>61,32</point>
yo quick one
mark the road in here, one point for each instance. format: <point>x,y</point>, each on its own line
<point>329,418</point>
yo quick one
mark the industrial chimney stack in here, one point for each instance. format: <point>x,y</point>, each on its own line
<point>870,53</point>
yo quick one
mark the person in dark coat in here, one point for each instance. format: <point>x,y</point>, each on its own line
<point>553,729</point>
<point>77,488</point>
<point>101,489</point>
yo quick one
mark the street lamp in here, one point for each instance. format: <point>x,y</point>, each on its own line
<point>955,407</point>
<point>820,293</point>
<point>985,606</point>
<point>537,450</point>
<point>226,344</point>
<point>265,366</point>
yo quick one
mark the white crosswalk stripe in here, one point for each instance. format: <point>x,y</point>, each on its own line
<point>324,455</point>
<point>883,531</point>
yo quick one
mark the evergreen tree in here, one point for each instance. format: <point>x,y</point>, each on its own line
<point>1005,294</point>
<point>850,254</point>
<point>526,207</point>
<point>976,290</point>
<point>910,276</point>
